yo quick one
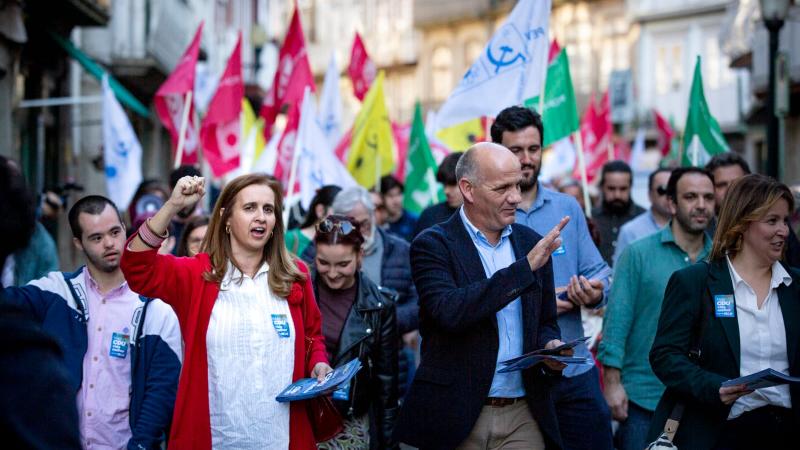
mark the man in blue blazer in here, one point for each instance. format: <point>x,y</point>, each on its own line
<point>486,295</point>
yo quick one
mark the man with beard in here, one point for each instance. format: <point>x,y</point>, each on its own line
<point>617,208</point>
<point>651,220</point>
<point>631,388</point>
<point>579,272</point>
<point>121,351</point>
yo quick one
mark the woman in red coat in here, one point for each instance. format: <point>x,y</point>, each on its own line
<point>247,312</point>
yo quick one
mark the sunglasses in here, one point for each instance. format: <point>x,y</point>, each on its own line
<point>661,191</point>
<point>345,227</point>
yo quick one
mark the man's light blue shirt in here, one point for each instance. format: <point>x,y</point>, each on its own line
<point>509,319</point>
<point>640,226</point>
<point>577,255</point>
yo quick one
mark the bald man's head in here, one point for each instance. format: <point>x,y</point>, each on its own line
<point>489,177</point>
<point>482,158</point>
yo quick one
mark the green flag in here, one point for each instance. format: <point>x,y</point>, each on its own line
<point>702,137</point>
<point>421,189</point>
<point>560,114</point>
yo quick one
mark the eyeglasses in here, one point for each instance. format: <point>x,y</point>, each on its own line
<point>329,225</point>
<point>661,191</point>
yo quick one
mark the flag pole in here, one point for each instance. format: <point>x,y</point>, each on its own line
<point>292,179</point>
<point>584,178</point>
<point>184,122</point>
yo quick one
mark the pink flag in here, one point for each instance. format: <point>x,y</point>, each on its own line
<point>286,147</point>
<point>555,49</point>
<point>665,133</point>
<point>221,130</point>
<point>291,77</point>
<point>402,134</point>
<point>361,69</point>
<point>170,98</point>
<point>596,134</point>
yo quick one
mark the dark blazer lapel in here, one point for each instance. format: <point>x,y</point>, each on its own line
<point>720,283</point>
<point>790,307</point>
<point>463,249</point>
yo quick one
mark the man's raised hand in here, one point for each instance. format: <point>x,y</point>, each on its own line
<point>537,257</point>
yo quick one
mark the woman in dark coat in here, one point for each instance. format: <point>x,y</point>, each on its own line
<point>358,321</point>
<point>740,311</point>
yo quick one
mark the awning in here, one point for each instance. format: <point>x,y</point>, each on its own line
<point>94,69</point>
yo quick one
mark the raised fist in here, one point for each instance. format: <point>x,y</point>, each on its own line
<point>188,191</point>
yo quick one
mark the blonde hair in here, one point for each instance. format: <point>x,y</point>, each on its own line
<point>748,199</point>
<point>282,268</point>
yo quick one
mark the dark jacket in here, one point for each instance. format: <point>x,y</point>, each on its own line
<point>697,383</point>
<point>458,324</point>
<point>37,405</point>
<point>370,334</point>
<point>57,303</point>
<point>395,275</point>
<point>432,215</point>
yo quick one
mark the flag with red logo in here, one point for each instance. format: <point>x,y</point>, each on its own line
<point>292,75</point>
<point>221,130</point>
<point>170,98</point>
<point>286,146</point>
<point>361,69</point>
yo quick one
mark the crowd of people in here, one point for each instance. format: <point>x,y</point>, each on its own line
<point>184,325</point>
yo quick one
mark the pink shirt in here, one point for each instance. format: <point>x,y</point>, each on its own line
<point>104,397</point>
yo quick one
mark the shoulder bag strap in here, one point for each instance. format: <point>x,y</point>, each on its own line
<point>674,420</point>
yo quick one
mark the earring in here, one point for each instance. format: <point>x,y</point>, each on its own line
<point>228,229</point>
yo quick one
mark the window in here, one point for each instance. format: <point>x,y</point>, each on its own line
<point>441,75</point>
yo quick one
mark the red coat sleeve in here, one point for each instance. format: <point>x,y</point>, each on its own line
<point>312,322</point>
<point>167,277</point>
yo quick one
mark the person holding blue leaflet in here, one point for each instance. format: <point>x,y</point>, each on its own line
<point>250,322</point>
<point>740,314</point>
<point>581,279</point>
<point>359,320</point>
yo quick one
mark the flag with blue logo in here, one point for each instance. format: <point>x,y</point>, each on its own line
<point>330,105</point>
<point>122,153</point>
<point>510,69</point>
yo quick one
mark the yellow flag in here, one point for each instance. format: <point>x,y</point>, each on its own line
<point>460,137</point>
<point>372,148</point>
<point>252,137</point>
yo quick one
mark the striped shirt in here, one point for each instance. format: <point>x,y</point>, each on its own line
<point>250,342</point>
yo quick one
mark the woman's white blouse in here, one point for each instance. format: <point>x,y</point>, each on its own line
<point>250,343</point>
<point>762,338</point>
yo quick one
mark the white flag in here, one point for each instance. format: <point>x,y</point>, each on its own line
<point>316,166</point>
<point>559,161</point>
<point>509,71</point>
<point>265,163</point>
<point>330,105</point>
<point>637,153</point>
<point>122,153</point>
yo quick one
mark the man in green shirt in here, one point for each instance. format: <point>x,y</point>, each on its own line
<point>640,277</point>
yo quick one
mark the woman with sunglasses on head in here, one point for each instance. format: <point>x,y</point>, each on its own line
<point>733,316</point>
<point>298,239</point>
<point>246,310</point>
<point>358,321</point>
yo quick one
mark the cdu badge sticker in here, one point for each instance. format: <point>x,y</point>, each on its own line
<point>281,325</point>
<point>119,345</point>
<point>560,250</point>
<point>724,306</point>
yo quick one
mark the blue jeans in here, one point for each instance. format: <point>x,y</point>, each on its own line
<point>584,419</point>
<point>632,433</point>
